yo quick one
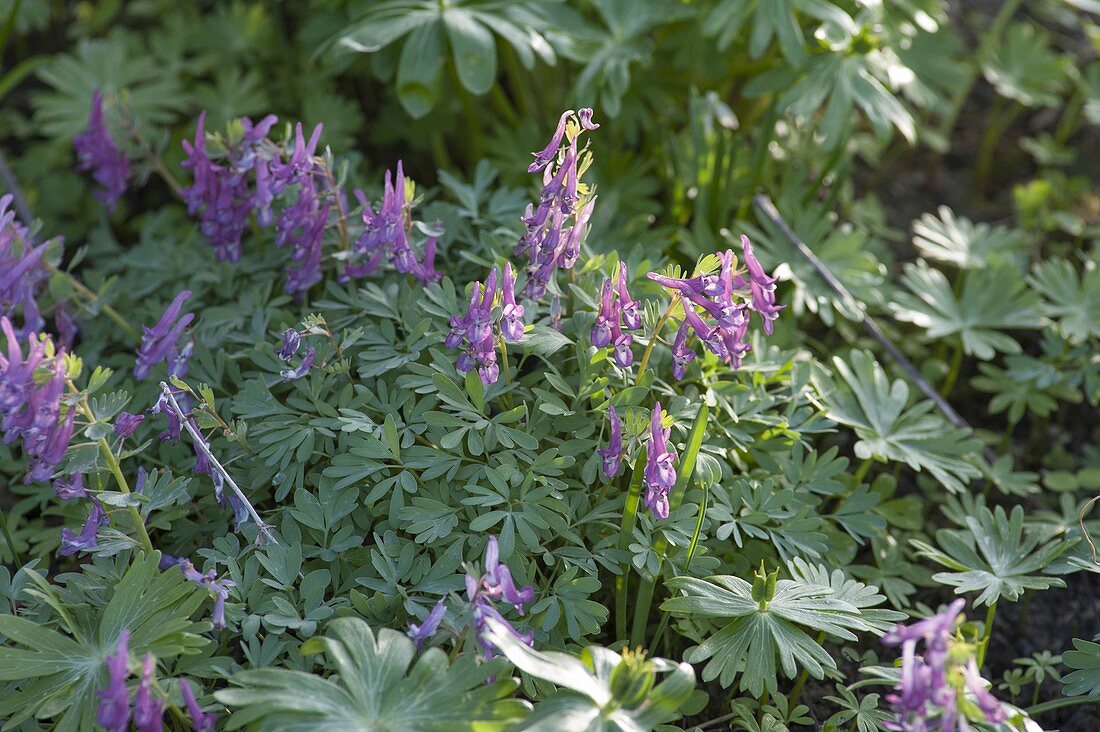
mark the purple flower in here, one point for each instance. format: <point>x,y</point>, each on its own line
<point>72,543</point>
<point>22,271</point>
<point>681,354</point>
<point>555,229</point>
<point>126,423</point>
<point>114,705</point>
<point>761,286</point>
<point>475,331</point>
<point>303,367</point>
<point>70,488</point>
<point>302,224</point>
<point>148,710</point>
<point>613,454</point>
<point>291,340</point>
<point>161,342</point>
<point>660,473</point>
<point>991,708</point>
<point>200,721</point>
<point>511,321</point>
<point>621,342</point>
<point>422,632</point>
<point>66,326</point>
<point>606,317</point>
<point>494,585</point>
<point>210,582</point>
<point>96,151</point>
<point>632,319</point>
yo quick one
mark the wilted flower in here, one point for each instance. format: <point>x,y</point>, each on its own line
<point>22,271</point>
<point>96,151</point>
<point>114,704</point>
<point>161,342</point>
<point>291,340</point>
<point>210,582</point>
<point>148,709</point>
<point>303,367</point>
<point>494,585</point>
<point>613,454</point>
<point>72,543</point>
<point>200,721</point>
<point>126,423</point>
<point>422,632</point>
<point>660,473</point>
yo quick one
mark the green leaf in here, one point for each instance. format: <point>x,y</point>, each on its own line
<point>1072,301</point>
<point>1085,678</point>
<point>542,340</point>
<point>377,685</point>
<point>474,50</point>
<point>992,299</point>
<point>959,241</point>
<point>993,555</point>
<point>762,632</point>
<point>1022,67</point>
<point>60,673</point>
<point>888,428</point>
<point>420,70</point>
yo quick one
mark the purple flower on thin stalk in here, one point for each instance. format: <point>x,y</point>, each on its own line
<point>494,585</point>
<point>303,367</point>
<point>991,708</point>
<point>96,151</point>
<point>126,424</point>
<point>660,472</point>
<point>631,317</point>
<point>163,406</point>
<point>425,630</point>
<point>22,270</point>
<point>292,339</point>
<point>72,543</point>
<point>200,721</point>
<point>613,454</point>
<point>114,704</point>
<point>161,342</point>
<point>148,709</point>
<point>210,582</point>
<point>762,287</point>
<point>474,332</point>
<point>606,317</point>
<point>511,321</point>
<point>70,488</point>
<point>302,224</point>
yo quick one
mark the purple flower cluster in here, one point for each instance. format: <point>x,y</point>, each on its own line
<point>30,411</point>
<point>726,298</point>
<point>200,721</point>
<point>22,271</point>
<point>72,543</point>
<point>221,193</point>
<point>162,341</point>
<point>247,179</point>
<point>96,151</point>
<point>555,229</point>
<point>114,710</point>
<point>386,235</point>
<point>494,585</point>
<point>930,683</point>
<point>660,471</point>
<point>618,312</point>
<point>422,632</point>
<point>613,454</point>
<point>474,332</point>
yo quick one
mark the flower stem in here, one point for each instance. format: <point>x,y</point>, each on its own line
<point>93,301</point>
<point>120,479</point>
<point>626,531</point>
<point>986,633</point>
<point>953,374</point>
<point>1053,704</point>
<point>656,334</point>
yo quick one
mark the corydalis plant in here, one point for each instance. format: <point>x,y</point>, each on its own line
<point>495,584</point>
<point>555,228</point>
<point>716,307</point>
<point>476,331</point>
<point>618,312</point>
<point>23,271</point>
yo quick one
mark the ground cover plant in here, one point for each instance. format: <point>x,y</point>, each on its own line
<point>762,395</point>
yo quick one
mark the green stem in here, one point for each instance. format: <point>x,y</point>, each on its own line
<point>796,690</point>
<point>120,479</point>
<point>986,633</point>
<point>93,300</point>
<point>953,374</point>
<point>17,561</point>
<point>1070,120</point>
<point>1001,120</point>
<point>759,155</point>
<point>656,334</point>
<point>626,531</point>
